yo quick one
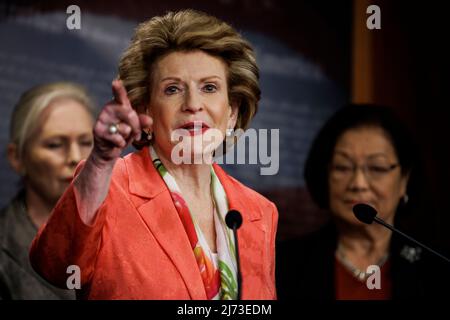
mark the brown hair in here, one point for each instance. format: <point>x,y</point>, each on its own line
<point>184,31</point>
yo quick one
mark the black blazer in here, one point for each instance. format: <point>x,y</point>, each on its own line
<point>305,269</point>
<point>17,279</point>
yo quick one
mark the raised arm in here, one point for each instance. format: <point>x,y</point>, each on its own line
<point>92,184</point>
<point>72,235</point>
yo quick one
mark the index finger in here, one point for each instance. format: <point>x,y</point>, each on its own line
<point>119,92</point>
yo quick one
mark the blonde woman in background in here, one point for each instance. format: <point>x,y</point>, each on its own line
<point>50,132</point>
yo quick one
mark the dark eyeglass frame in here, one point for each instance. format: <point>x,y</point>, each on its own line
<point>364,168</point>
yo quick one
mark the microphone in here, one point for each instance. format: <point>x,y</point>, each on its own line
<point>233,219</point>
<point>367,214</point>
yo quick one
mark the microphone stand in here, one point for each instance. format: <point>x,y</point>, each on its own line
<point>238,262</point>
<point>233,219</point>
<point>367,214</point>
<point>387,225</point>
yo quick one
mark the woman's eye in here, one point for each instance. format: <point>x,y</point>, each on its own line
<point>378,169</point>
<point>171,90</point>
<point>342,168</point>
<point>87,143</point>
<point>210,88</point>
<point>54,145</point>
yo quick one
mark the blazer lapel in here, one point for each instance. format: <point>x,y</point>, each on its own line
<point>252,235</point>
<point>161,217</point>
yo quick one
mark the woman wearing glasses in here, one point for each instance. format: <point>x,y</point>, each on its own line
<point>361,155</point>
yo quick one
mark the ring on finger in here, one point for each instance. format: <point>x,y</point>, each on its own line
<point>113,128</point>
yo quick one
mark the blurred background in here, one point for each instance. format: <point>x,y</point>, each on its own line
<point>314,56</point>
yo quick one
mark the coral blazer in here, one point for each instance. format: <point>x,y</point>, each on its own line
<point>137,247</point>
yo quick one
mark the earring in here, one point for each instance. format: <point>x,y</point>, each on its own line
<point>149,135</point>
<point>229,132</point>
<point>405,198</point>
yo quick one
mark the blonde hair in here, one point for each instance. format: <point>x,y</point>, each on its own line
<point>32,103</point>
<point>185,31</point>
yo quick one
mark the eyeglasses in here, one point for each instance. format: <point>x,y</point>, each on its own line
<point>373,172</point>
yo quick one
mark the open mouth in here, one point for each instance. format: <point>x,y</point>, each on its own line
<point>195,127</point>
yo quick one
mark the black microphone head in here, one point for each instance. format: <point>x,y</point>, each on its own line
<point>233,219</point>
<point>364,213</point>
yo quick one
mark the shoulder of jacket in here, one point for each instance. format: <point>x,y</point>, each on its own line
<point>251,196</point>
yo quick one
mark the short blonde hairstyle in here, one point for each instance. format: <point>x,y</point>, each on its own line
<point>32,103</point>
<point>185,31</point>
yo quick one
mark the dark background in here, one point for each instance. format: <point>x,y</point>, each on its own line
<point>404,65</point>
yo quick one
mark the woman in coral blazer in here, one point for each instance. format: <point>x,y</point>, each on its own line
<point>151,225</point>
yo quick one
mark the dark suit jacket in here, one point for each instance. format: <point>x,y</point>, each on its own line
<point>17,279</point>
<point>305,269</point>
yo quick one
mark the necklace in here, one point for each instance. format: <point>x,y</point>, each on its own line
<point>357,273</point>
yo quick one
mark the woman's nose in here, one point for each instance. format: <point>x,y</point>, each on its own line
<point>359,180</point>
<point>192,102</point>
<point>74,155</point>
